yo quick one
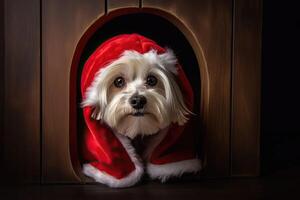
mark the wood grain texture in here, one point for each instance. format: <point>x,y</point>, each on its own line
<point>63,25</point>
<point>1,81</point>
<point>21,135</point>
<point>116,4</point>
<point>210,21</point>
<point>246,88</point>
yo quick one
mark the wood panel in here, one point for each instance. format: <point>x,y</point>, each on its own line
<point>246,87</point>
<point>21,135</point>
<point>210,21</point>
<point>63,25</point>
<point>1,80</point>
<point>116,4</point>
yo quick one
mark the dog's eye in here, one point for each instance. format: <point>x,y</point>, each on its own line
<point>119,82</point>
<point>151,80</point>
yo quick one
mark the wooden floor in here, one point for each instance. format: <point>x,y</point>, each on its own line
<point>281,185</point>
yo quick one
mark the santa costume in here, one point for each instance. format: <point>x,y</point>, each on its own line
<point>110,158</point>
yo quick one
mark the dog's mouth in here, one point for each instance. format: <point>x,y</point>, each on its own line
<point>139,113</point>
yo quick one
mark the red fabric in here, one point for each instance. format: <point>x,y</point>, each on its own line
<point>102,148</point>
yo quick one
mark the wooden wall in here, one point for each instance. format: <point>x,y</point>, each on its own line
<point>21,77</point>
<point>1,80</point>
<point>246,88</point>
<point>61,32</point>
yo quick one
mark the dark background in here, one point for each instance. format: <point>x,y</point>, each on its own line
<point>280,121</point>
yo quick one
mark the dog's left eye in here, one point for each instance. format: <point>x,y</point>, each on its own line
<point>119,82</point>
<point>151,80</point>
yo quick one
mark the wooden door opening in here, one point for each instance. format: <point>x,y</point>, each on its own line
<point>147,22</point>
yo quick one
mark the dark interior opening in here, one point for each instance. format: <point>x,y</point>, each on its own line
<point>156,28</point>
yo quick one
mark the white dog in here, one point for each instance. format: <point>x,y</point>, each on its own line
<point>133,88</point>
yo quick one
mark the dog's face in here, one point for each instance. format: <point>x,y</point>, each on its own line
<point>138,94</point>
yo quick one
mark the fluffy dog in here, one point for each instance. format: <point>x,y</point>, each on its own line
<point>131,88</point>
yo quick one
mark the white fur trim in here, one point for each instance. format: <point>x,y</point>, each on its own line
<point>111,181</point>
<point>166,61</point>
<point>176,169</point>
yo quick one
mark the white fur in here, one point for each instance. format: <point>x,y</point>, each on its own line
<point>111,181</point>
<point>176,169</point>
<point>165,102</point>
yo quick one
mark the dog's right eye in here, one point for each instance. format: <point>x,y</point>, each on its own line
<point>119,82</point>
<point>151,80</point>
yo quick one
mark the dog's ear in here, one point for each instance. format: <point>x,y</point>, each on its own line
<point>180,112</point>
<point>179,109</point>
<point>175,100</point>
<point>96,96</point>
<point>96,106</point>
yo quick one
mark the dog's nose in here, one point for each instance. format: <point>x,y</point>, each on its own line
<point>137,101</point>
